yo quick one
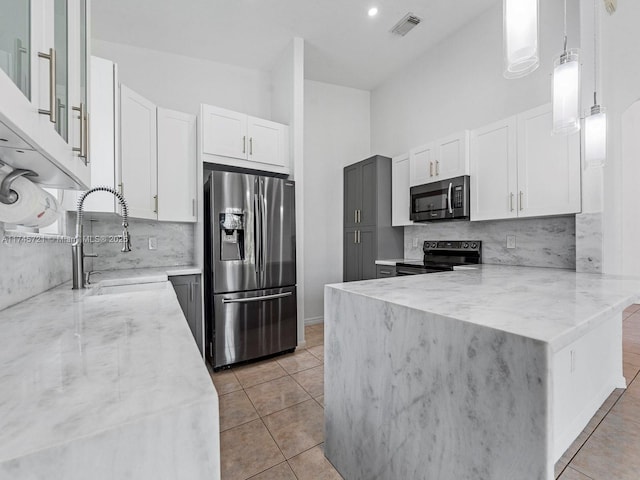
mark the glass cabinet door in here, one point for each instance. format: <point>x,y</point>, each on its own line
<point>62,57</point>
<point>15,45</point>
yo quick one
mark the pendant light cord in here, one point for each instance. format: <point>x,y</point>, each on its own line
<point>595,52</point>
<point>565,26</point>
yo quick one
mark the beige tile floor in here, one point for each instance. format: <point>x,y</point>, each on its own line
<point>271,416</point>
<point>271,419</point>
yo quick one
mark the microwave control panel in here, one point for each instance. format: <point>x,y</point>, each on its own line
<point>458,196</point>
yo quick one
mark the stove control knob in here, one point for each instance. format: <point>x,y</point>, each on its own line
<point>474,245</point>
<point>465,245</point>
<point>433,245</point>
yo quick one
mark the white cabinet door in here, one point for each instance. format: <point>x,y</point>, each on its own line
<point>400,199</point>
<point>138,153</point>
<point>452,159</point>
<point>102,131</point>
<point>224,132</point>
<point>493,171</point>
<point>548,167</point>
<point>176,166</point>
<point>266,141</point>
<point>422,164</point>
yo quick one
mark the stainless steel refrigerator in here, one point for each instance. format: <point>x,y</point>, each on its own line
<point>250,267</point>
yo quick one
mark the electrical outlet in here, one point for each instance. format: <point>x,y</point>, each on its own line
<point>153,243</point>
<point>511,241</point>
<point>415,242</point>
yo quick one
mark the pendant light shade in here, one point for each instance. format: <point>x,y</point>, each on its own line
<point>595,137</point>
<point>566,93</point>
<point>520,23</point>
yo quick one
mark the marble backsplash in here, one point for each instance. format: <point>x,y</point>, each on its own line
<point>30,265</point>
<point>589,242</point>
<point>175,242</point>
<point>540,242</point>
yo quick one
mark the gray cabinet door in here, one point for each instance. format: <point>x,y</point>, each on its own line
<point>368,253</point>
<point>386,271</point>
<point>352,194</point>
<point>351,256</point>
<point>369,194</point>
<point>187,288</point>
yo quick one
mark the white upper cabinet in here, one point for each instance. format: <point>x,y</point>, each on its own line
<point>138,154</point>
<point>176,166</point>
<point>422,164</point>
<point>441,159</point>
<point>39,50</point>
<point>400,199</point>
<point>548,167</point>
<point>225,132</point>
<point>240,140</point>
<point>267,142</point>
<point>519,169</point>
<point>452,157</point>
<point>102,131</point>
<point>494,176</point>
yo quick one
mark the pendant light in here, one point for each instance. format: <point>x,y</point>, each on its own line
<point>595,122</point>
<point>520,37</point>
<point>566,88</point>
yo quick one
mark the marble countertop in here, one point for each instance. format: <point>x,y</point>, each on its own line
<point>75,363</point>
<point>140,275</point>
<point>550,305</point>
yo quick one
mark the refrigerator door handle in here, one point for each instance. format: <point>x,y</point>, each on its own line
<point>257,299</point>
<point>264,236</point>
<point>257,231</point>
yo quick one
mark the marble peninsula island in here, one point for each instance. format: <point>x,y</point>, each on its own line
<point>485,374</point>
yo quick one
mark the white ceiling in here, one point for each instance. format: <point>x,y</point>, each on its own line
<point>343,45</point>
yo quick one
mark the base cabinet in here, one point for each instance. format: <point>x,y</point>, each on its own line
<point>187,288</point>
<point>385,271</point>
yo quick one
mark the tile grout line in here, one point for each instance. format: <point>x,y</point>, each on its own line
<point>588,437</point>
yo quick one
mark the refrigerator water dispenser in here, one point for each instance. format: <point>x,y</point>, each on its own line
<point>231,236</point>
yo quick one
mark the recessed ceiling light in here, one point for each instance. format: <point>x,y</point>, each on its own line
<point>373,11</point>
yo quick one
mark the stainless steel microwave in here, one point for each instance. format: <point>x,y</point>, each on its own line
<point>443,200</point>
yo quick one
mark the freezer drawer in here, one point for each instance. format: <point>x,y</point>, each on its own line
<point>251,325</point>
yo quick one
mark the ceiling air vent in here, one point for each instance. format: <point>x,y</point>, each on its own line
<point>406,24</point>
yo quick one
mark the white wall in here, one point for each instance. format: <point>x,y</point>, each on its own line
<point>459,84</point>
<point>336,135</point>
<point>621,87</point>
<point>183,83</point>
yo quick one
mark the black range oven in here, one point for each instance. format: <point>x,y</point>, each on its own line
<point>442,256</point>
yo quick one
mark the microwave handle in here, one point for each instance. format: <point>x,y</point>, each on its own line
<point>449,198</point>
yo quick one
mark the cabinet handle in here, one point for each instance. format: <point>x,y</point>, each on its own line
<point>385,272</point>
<point>250,145</point>
<point>358,236</point>
<point>437,168</point>
<point>244,144</point>
<point>51,56</point>
<point>355,216</point>
<point>191,292</point>
<point>121,187</point>
<point>431,169</point>
<point>193,207</point>
<point>355,236</point>
<point>511,201</point>
<point>87,156</point>
<point>155,198</point>
<point>359,216</point>
<point>83,130</point>
<point>521,208</point>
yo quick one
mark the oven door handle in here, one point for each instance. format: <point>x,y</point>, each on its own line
<point>257,299</point>
<point>449,198</point>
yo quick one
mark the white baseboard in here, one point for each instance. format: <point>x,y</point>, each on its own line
<point>313,321</point>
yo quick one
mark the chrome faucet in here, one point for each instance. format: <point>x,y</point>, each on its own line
<point>77,247</point>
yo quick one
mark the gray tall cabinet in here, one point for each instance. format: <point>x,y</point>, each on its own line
<point>368,234</point>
